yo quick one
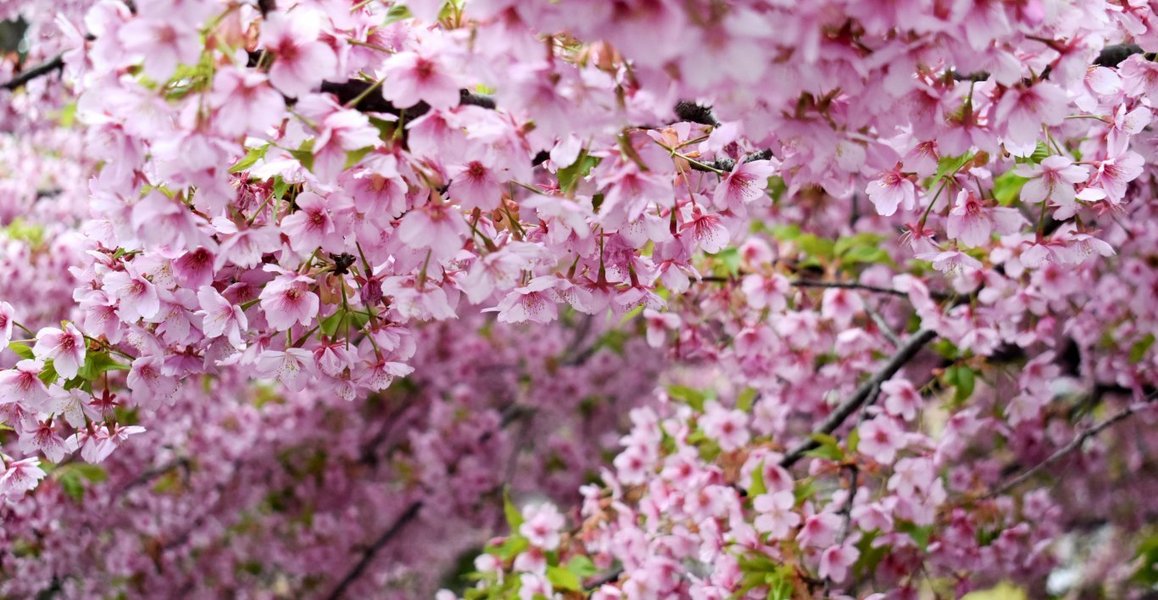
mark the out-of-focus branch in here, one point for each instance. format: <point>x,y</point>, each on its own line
<point>1073,445</point>
<point>368,554</point>
<point>24,77</point>
<point>904,354</point>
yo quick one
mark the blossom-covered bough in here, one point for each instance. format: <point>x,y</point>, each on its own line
<point>622,299</point>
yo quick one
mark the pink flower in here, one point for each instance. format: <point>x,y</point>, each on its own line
<point>836,560</point>
<point>951,261</point>
<point>1054,179</point>
<point>302,61</point>
<point>287,301</point>
<point>476,184</point>
<point>437,226</point>
<point>971,223</point>
<point>1025,109</point>
<point>776,516</point>
<point>20,477</point>
<point>819,530</point>
<point>163,43</point>
<point>536,302</point>
<point>766,292</point>
<point>7,321</point>
<point>219,317</point>
<point>708,232</point>
<point>413,77</point>
<point>65,348</point>
<point>245,102</point>
<point>42,437</point>
<point>22,384</point>
<point>840,305</point>
<point>291,367</point>
<point>880,438</point>
<point>313,225</point>
<point>136,297</point>
<point>1112,174</point>
<point>541,525</point>
<point>890,190</point>
<point>658,324</point>
<point>744,184</point>
<point>194,268</point>
<point>901,398</point>
<point>727,427</point>
<point>148,381</point>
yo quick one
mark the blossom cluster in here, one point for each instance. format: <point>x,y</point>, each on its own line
<point>817,294</point>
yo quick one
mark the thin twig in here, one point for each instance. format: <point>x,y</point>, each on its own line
<point>368,554</point>
<point>1065,450</point>
<point>53,64</point>
<point>863,394</point>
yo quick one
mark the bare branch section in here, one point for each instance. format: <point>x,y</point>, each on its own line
<point>368,554</point>
<point>1067,449</point>
<point>862,394</point>
<point>23,78</point>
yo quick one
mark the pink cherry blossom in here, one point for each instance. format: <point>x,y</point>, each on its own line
<point>777,517</point>
<point>64,347</point>
<point>287,301</point>
<point>835,562</point>
<point>891,190</point>
<point>220,317</point>
<point>744,184</point>
<point>880,439</point>
<point>301,60</point>
<point>542,525</point>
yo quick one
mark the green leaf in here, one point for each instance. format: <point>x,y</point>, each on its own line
<point>48,373</point>
<point>746,399</point>
<point>396,13</point>
<point>853,440</point>
<point>758,487</point>
<point>866,255</point>
<point>514,517</point>
<point>729,259</point>
<point>572,174</point>
<point>1140,348</point>
<point>72,478</point>
<point>305,154</point>
<point>563,579</point>
<point>818,247</point>
<point>96,364</point>
<point>919,534</point>
<point>847,243</point>
<point>354,157</point>
<point>829,447</point>
<point>1007,187</point>
<point>22,351</point>
<point>690,396</point>
<point>582,566</point>
<point>950,165</point>
<point>963,379</point>
<point>250,159</point>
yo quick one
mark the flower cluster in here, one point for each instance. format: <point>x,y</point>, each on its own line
<point>810,298</point>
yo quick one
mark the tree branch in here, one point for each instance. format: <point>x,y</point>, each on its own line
<point>1065,450</point>
<point>368,554</point>
<point>54,64</point>
<point>862,394</point>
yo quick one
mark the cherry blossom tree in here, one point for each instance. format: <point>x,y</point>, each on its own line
<point>558,299</point>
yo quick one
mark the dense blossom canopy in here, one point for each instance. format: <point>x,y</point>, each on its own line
<point>578,298</point>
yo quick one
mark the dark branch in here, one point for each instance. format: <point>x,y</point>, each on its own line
<point>368,554</point>
<point>18,81</point>
<point>691,112</point>
<point>1065,450</point>
<point>862,394</point>
<point>1113,55</point>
